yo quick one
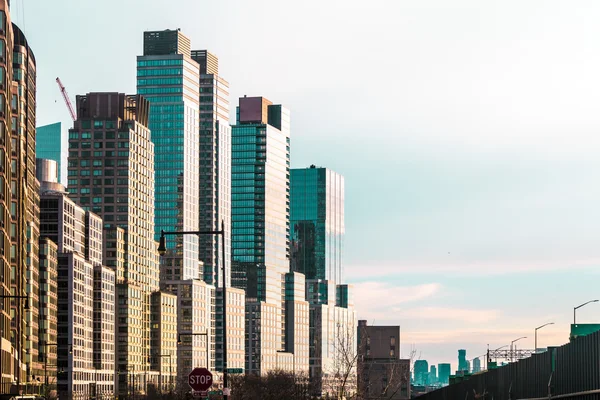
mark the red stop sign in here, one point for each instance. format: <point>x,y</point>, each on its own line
<point>200,379</point>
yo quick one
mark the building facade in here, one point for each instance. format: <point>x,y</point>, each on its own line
<point>169,78</point>
<point>236,338</point>
<point>104,332</point>
<point>195,324</point>
<point>164,340</point>
<point>215,166</point>
<point>421,373</point>
<point>51,144</point>
<point>111,172</point>
<point>260,224</point>
<point>317,223</point>
<point>381,371</point>
<point>444,372</point>
<point>297,325</point>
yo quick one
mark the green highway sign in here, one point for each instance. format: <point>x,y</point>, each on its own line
<point>235,370</point>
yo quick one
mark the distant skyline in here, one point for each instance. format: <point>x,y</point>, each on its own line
<point>467,133</point>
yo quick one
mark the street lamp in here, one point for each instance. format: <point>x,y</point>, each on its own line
<point>512,354</point>
<point>536,329</point>
<point>197,334</point>
<point>162,249</point>
<point>579,306</point>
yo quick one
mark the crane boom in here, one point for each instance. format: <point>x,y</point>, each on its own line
<point>63,91</point>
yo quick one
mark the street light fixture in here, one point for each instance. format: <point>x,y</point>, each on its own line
<point>536,329</point>
<point>179,342</point>
<point>579,306</point>
<point>162,250</point>
<point>512,355</point>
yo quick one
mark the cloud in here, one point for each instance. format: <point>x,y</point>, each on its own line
<point>454,314</point>
<point>376,300</point>
<point>355,272</point>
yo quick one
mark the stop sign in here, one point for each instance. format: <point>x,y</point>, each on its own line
<point>200,379</point>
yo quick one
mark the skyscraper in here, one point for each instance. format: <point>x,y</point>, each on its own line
<point>462,360</point>
<point>476,365</point>
<point>215,166</point>
<point>260,224</point>
<point>111,172</point>
<point>444,372</point>
<point>432,374</point>
<point>317,223</point>
<point>169,78</point>
<point>421,372</point>
<point>51,144</point>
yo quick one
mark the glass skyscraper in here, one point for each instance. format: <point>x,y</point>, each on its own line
<point>169,78</point>
<point>260,197</point>
<point>260,162</point>
<point>317,223</point>
<point>51,144</point>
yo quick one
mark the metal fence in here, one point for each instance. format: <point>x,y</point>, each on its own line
<point>571,371</point>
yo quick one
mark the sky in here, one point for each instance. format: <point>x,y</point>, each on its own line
<point>468,133</point>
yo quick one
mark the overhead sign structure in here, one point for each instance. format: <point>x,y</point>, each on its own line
<point>200,379</point>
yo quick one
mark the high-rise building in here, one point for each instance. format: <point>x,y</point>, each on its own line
<point>169,78</point>
<point>462,361</point>
<point>111,172</point>
<point>444,372</point>
<point>195,324</point>
<point>380,368</point>
<point>85,295</point>
<point>236,340</point>
<point>421,372</point>
<point>317,223</point>
<point>260,224</point>
<point>104,332</point>
<point>215,166</point>
<point>296,322</point>
<point>164,339</point>
<point>48,308</point>
<point>51,144</point>
<point>476,365</point>
<point>432,374</point>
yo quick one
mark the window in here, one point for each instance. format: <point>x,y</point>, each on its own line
<point>392,340</point>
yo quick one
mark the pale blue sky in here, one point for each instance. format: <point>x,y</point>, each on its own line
<point>468,133</point>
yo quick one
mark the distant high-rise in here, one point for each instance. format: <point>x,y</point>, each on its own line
<point>432,374</point>
<point>51,144</point>
<point>462,361</point>
<point>421,369</point>
<point>111,173</point>
<point>260,224</point>
<point>476,365</point>
<point>215,166</point>
<point>170,80</point>
<point>317,223</point>
<point>444,372</point>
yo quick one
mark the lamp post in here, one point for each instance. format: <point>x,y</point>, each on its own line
<point>197,334</point>
<point>579,306</point>
<point>162,249</point>
<point>536,329</point>
<point>512,354</point>
<point>46,360</point>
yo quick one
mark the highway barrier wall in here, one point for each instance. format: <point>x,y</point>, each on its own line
<point>571,371</point>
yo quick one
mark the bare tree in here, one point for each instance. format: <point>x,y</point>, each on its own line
<point>274,385</point>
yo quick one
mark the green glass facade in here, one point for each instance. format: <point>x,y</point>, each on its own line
<point>51,144</point>
<point>260,203</point>
<point>317,223</point>
<point>170,82</point>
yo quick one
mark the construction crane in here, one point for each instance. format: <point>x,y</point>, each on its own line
<point>63,91</point>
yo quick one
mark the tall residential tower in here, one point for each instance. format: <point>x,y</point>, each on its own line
<point>260,225</point>
<point>169,78</point>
